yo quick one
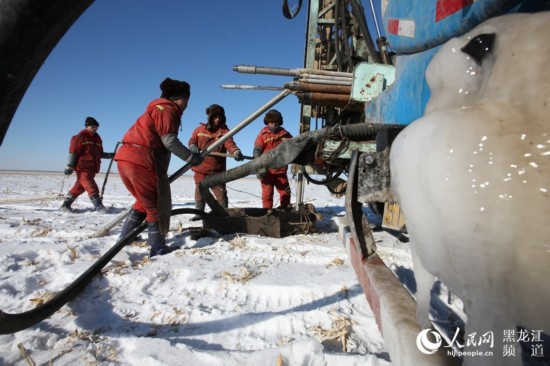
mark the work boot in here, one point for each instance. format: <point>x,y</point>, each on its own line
<point>98,205</point>
<point>66,206</point>
<point>156,240</point>
<point>199,205</point>
<point>133,220</point>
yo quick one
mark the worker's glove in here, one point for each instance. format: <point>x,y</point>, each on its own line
<point>256,152</point>
<point>194,149</point>
<point>196,159</point>
<point>238,155</point>
<point>68,170</point>
<point>261,173</point>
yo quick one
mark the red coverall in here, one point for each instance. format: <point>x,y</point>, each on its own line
<point>203,138</point>
<point>88,148</point>
<point>266,141</point>
<point>143,159</point>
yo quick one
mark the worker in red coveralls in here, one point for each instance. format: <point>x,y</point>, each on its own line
<point>85,154</point>
<point>268,139</point>
<point>143,162</point>
<point>201,138</point>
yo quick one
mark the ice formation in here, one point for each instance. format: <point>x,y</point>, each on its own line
<point>473,179</point>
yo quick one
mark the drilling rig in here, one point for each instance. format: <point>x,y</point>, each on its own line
<point>357,92</point>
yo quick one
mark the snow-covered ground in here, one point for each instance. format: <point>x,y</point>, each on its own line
<point>231,300</point>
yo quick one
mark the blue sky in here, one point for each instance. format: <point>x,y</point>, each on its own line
<point>111,61</point>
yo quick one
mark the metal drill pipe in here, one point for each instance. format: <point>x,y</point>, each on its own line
<point>343,75</point>
<point>318,88</point>
<point>233,131</point>
<point>325,81</point>
<point>250,87</point>
<point>324,99</point>
<point>105,230</point>
<point>248,69</point>
<point>325,77</point>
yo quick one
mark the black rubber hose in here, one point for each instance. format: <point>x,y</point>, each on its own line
<point>320,182</point>
<point>291,14</point>
<point>29,30</point>
<point>11,323</point>
<point>293,150</point>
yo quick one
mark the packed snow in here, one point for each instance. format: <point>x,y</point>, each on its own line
<point>473,176</point>
<point>219,300</point>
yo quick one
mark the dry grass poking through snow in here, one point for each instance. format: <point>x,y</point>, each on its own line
<point>341,327</point>
<point>243,276</point>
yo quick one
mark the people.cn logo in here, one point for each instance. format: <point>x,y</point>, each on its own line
<point>425,345</point>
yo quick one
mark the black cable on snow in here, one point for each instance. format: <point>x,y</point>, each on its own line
<point>11,323</point>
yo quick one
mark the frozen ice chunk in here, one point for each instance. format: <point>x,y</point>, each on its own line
<point>472,176</point>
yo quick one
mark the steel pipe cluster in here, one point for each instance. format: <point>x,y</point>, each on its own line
<point>311,86</point>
